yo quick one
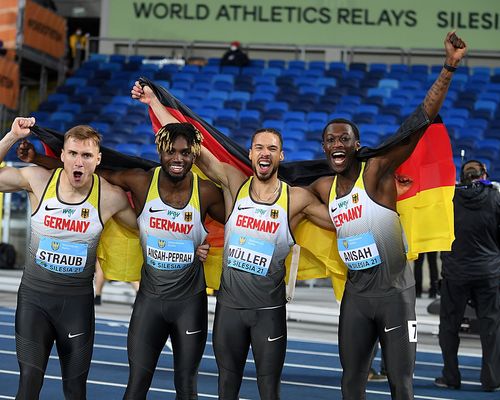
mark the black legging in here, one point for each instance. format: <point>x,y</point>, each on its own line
<point>362,320</point>
<point>486,295</point>
<point>433,272</point>
<point>153,321</point>
<point>43,318</point>
<point>234,331</point>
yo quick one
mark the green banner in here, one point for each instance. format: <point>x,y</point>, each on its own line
<point>387,23</point>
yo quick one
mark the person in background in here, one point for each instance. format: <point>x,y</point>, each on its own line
<point>235,56</point>
<point>471,271</point>
<point>77,45</point>
<point>433,270</point>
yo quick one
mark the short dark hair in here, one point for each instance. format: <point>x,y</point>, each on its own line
<point>354,127</point>
<point>270,130</point>
<point>166,135</point>
<point>469,177</point>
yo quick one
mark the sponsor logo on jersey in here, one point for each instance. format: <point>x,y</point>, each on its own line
<point>260,211</point>
<point>244,208</point>
<point>161,243</point>
<point>55,246</point>
<point>343,204</point>
<point>85,213</point>
<point>69,211</point>
<point>173,214</point>
<point>47,208</point>
<point>257,224</point>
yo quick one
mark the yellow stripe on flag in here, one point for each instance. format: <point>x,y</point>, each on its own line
<point>427,220</point>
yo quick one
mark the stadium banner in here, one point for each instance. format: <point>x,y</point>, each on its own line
<point>388,23</point>
<point>9,83</point>
<point>8,23</point>
<point>44,30</point>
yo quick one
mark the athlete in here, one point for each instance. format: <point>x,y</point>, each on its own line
<point>379,298</point>
<point>55,299</point>
<point>171,203</point>
<point>261,212</point>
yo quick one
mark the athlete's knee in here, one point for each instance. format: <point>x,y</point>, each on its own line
<point>185,384</point>
<point>75,388</point>
<point>229,384</point>
<point>269,386</point>
<point>354,385</point>
<point>30,382</point>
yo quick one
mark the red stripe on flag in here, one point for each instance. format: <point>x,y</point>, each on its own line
<point>215,147</point>
<point>431,163</point>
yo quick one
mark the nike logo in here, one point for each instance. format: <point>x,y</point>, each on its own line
<point>192,332</point>
<point>270,339</point>
<point>152,210</point>
<point>47,208</point>
<point>333,209</point>
<point>70,336</point>
<point>244,208</point>
<point>391,329</point>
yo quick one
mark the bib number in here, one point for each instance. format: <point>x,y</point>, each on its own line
<point>359,252</point>
<point>249,254</point>
<point>61,257</point>
<point>169,254</point>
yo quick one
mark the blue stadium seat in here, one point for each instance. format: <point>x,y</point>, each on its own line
<point>275,105</point>
<point>181,85</point>
<point>276,64</point>
<point>61,117</point>
<point>101,127</point>
<point>230,69</point>
<point>130,149</point>
<point>318,65</point>
<point>272,71</point>
<point>275,124</point>
<point>301,155</point>
<point>297,64</point>
<point>419,69</point>
<point>315,116</point>
<point>70,107</point>
<point>378,67</point>
<point>388,83</point>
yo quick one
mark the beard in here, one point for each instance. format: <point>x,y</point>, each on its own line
<point>267,176</point>
<point>173,178</point>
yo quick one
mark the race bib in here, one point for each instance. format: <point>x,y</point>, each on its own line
<point>359,252</point>
<point>249,254</point>
<point>61,257</point>
<point>169,254</point>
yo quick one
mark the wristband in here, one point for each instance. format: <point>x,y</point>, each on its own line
<point>449,67</point>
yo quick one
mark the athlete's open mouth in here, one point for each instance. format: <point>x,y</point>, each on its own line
<point>176,169</point>
<point>77,175</point>
<point>264,165</point>
<point>338,157</point>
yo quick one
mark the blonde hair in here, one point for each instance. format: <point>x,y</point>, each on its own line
<point>167,134</point>
<point>83,132</point>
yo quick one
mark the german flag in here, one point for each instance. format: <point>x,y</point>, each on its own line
<point>425,202</point>
<point>426,179</point>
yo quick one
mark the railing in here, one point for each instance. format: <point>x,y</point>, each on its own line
<point>204,49</point>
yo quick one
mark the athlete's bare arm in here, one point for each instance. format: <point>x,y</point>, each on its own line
<point>212,201</point>
<point>114,203</point>
<point>146,96</point>
<point>392,159</point>
<point>304,204</point>
<point>31,179</point>
<point>321,188</point>
<point>134,180</point>
<point>26,152</point>
<point>227,176</point>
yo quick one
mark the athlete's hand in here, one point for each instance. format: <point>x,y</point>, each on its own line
<point>21,127</point>
<point>455,49</point>
<point>144,94</point>
<point>202,251</point>
<point>26,151</point>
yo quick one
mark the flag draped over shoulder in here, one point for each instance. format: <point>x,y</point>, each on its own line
<point>429,173</point>
<point>425,201</point>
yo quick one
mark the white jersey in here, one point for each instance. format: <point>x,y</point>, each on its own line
<point>370,241</point>
<point>63,241</point>
<point>169,238</point>
<point>257,240</point>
